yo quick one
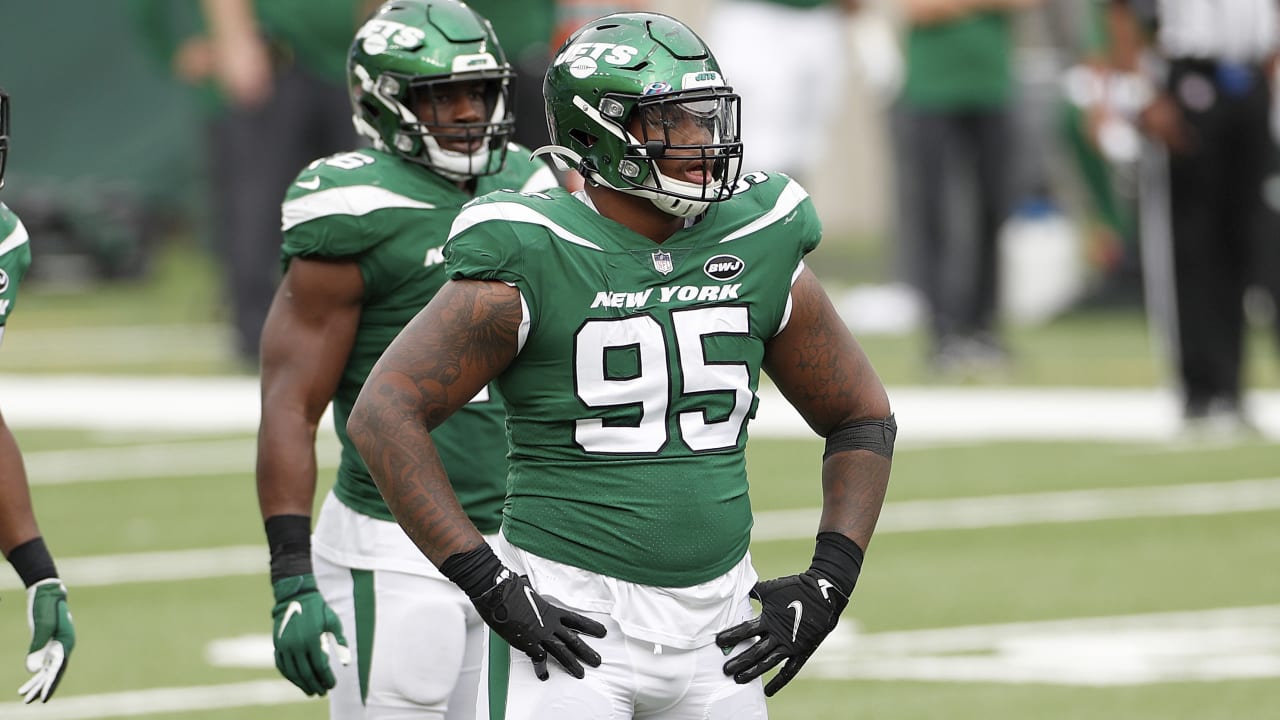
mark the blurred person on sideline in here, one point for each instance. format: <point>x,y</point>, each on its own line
<point>627,326</point>
<point>1209,68</point>
<point>363,230</point>
<point>791,94</point>
<point>1097,121</point>
<point>53,636</point>
<point>272,76</point>
<point>954,132</point>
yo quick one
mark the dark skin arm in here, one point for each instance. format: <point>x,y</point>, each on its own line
<point>455,345</point>
<point>17,518</point>
<point>822,371</point>
<point>306,340</point>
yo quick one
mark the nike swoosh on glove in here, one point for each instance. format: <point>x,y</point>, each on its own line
<point>537,628</point>
<point>509,604</point>
<point>305,629</point>
<point>53,637</point>
<point>797,612</point>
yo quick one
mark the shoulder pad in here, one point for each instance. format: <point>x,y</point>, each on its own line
<point>346,168</point>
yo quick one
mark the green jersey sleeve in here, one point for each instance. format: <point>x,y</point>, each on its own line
<point>15,258</point>
<point>483,242</point>
<point>327,208</point>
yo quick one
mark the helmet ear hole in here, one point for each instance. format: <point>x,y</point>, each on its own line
<point>372,112</point>
<point>582,137</point>
<point>372,108</point>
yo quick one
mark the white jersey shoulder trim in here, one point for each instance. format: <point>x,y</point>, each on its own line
<point>790,198</point>
<point>786,311</point>
<point>350,200</point>
<point>514,212</point>
<point>14,240</point>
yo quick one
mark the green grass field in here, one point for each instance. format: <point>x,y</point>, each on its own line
<point>1050,580</point>
<point>136,636</point>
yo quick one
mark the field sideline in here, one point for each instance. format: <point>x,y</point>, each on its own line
<point>991,486</point>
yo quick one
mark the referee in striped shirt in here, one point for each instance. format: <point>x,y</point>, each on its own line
<point>1211,64</point>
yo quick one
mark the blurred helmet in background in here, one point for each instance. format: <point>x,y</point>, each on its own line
<point>404,58</point>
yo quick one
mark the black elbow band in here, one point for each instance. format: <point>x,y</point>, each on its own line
<point>33,562</point>
<point>874,435</point>
<point>289,540</point>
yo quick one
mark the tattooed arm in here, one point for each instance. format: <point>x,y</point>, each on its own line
<point>459,342</point>
<point>822,371</point>
<point>825,375</point>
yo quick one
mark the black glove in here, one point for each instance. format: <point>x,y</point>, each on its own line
<point>797,612</point>
<point>509,604</point>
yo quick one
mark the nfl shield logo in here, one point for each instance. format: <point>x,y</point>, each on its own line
<point>662,262</point>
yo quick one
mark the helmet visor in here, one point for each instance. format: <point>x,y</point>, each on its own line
<point>463,116</point>
<point>685,124</point>
<point>698,132</point>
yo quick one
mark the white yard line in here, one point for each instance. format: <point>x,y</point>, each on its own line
<point>157,460</point>
<point>168,566</point>
<point>159,701</point>
<point>925,414</point>
<point>1207,645</point>
<point>907,516</point>
<point>1041,508</point>
<point>230,404</point>
<point>1196,646</point>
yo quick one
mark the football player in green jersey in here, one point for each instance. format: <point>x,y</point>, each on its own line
<point>52,635</point>
<point>363,233</point>
<point>627,327</point>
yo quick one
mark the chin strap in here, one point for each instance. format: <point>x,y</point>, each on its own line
<point>562,157</point>
<point>566,159</point>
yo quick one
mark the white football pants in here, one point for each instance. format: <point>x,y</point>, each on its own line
<point>636,679</point>
<point>416,641</point>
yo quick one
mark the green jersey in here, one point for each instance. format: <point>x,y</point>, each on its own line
<point>15,257</point>
<point>392,217</point>
<point>960,64</point>
<point>628,402</point>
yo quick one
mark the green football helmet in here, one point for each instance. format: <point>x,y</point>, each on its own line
<point>402,58</point>
<point>647,71</point>
<point>4,133</point>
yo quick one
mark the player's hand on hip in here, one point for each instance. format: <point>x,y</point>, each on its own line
<point>538,628</point>
<point>53,637</point>
<point>796,614</point>
<point>306,631</point>
<point>527,621</point>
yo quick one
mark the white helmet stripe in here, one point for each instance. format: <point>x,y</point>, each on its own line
<point>600,120</point>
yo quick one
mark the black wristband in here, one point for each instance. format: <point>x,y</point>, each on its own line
<point>838,559</point>
<point>475,571</point>
<point>33,562</point>
<point>289,540</point>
